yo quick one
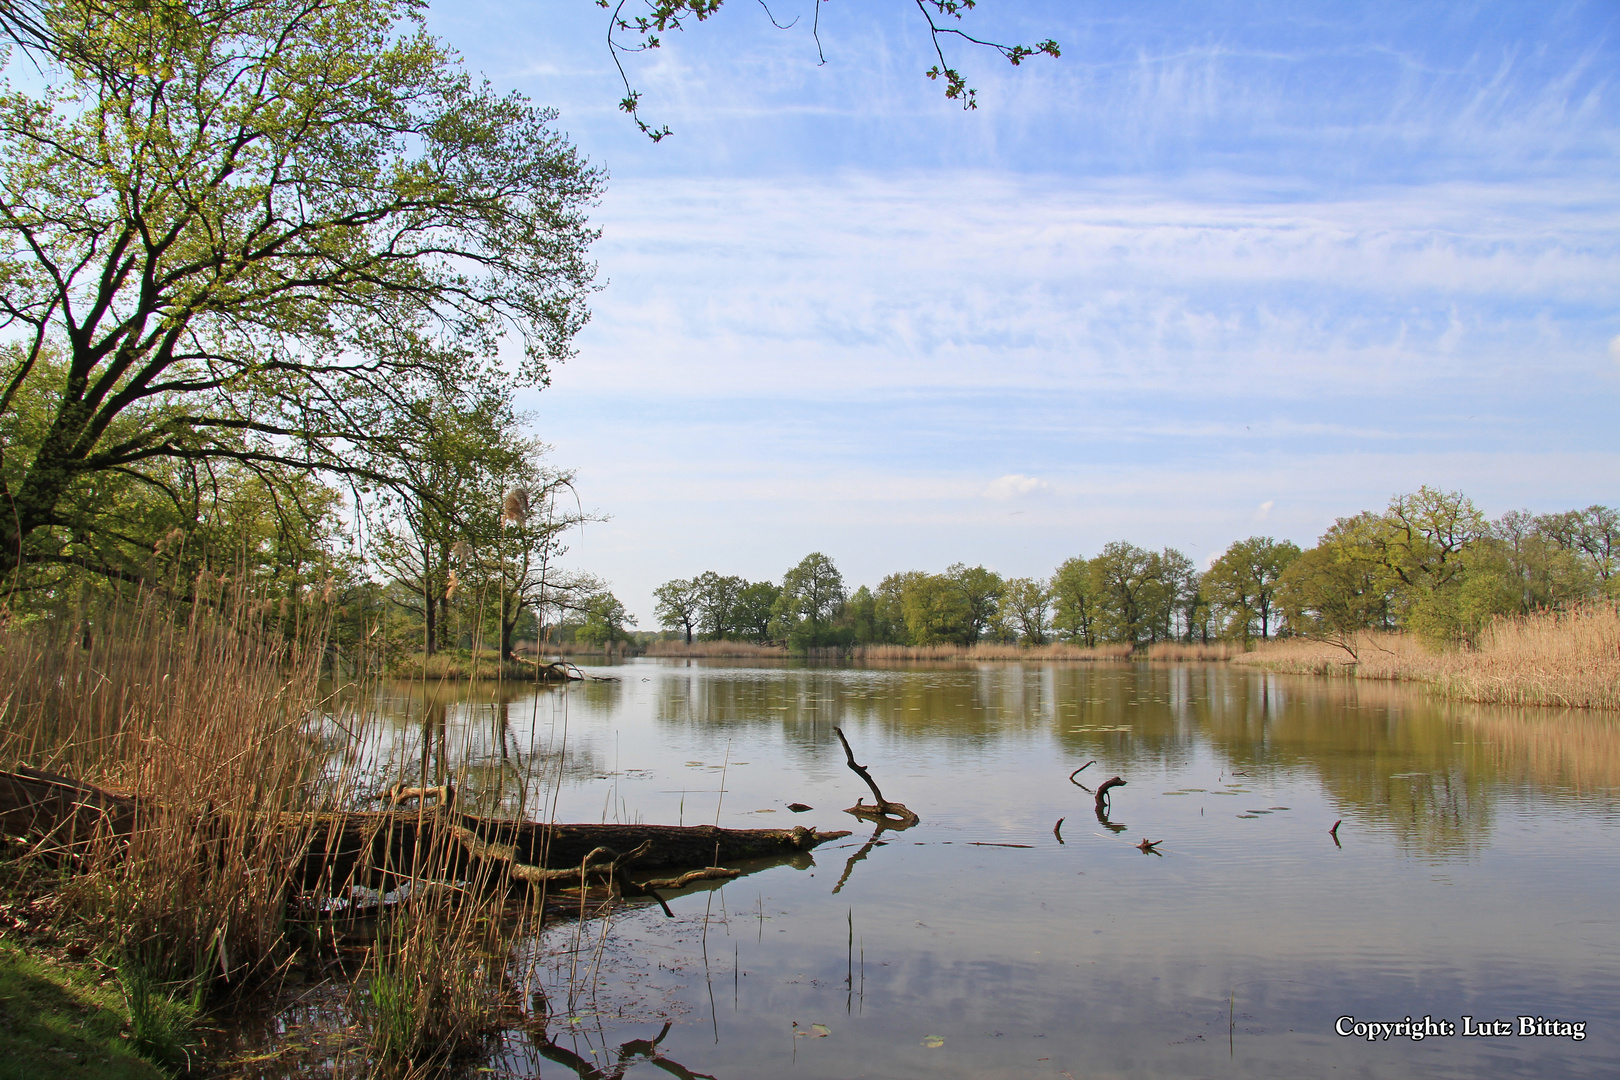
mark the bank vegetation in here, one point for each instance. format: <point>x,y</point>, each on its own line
<point>1567,658</point>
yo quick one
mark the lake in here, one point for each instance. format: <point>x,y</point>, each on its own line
<point>1475,873</point>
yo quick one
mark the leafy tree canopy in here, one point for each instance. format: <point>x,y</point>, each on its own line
<point>244,231</point>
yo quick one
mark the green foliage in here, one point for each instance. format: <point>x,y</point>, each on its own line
<point>162,1017</point>
<point>430,990</point>
<point>1242,585</point>
<point>605,621</point>
<point>244,232</point>
<point>1025,608</point>
<point>1342,585</point>
<point>1074,614</point>
<point>1431,564</point>
<point>753,610</point>
<point>936,610</point>
<point>889,625</point>
<point>680,605</point>
<point>1129,583</point>
<point>57,1011</point>
<point>981,591</point>
<point>717,604</point>
<point>812,597</point>
<point>861,616</point>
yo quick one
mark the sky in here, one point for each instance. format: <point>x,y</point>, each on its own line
<point>1222,269</point>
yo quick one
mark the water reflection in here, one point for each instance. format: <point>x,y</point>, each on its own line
<point>1431,770</point>
<point>1473,873</point>
<point>565,1049</point>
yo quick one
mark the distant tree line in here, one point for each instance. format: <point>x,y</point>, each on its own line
<point>1430,563</point>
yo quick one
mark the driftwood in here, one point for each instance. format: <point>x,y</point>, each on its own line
<point>891,815</point>
<point>62,816</point>
<point>399,792</point>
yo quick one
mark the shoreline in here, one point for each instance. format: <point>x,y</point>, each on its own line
<point>1565,659</point>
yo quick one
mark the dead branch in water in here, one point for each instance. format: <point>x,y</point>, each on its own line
<point>1080,770</point>
<point>1103,789</point>
<point>892,814</point>
<point>1057,830</point>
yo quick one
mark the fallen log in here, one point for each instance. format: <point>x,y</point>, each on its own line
<point>57,814</point>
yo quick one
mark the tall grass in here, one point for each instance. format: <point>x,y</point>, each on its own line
<point>434,985</point>
<point>1569,658</point>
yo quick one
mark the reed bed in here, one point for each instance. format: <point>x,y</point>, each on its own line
<point>987,650</point>
<point>743,650</point>
<point>1180,651</point>
<point>546,649</point>
<point>214,719</point>
<point>485,665</point>
<point>202,717</point>
<point>1569,659</point>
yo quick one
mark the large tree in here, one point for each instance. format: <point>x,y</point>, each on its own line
<point>812,596</point>
<point>1024,608</point>
<point>680,605</point>
<point>244,230</point>
<point>1075,602</point>
<point>1243,581</point>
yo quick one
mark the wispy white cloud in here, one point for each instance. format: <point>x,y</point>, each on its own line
<point>1205,272</point>
<point>858,283</point>
<point>1013,485</point>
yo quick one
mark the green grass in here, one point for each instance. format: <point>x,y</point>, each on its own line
<point>60,1021</point>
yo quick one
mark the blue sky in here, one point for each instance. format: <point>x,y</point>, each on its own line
<point>1223,269</point>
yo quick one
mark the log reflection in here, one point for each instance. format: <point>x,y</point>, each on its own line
<point>628,1054</point>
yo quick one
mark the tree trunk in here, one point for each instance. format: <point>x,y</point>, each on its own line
<point>32,507</point>
<point>508,627</point>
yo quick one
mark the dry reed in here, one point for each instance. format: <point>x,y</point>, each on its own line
<point>989,650</point>
<point>203,718</point>
<point>1180,651</point>
<point>1569,659</point>
<point>212,718</point>
<point>716,649</point>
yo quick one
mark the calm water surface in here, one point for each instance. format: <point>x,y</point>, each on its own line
<point>1475,873</point>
